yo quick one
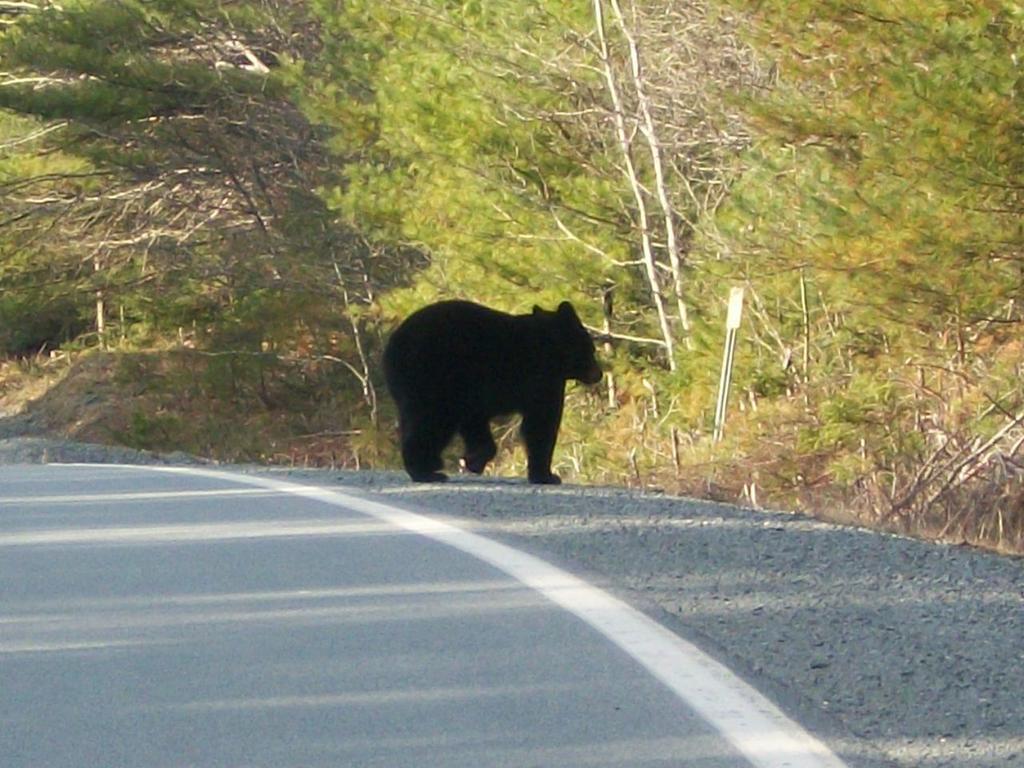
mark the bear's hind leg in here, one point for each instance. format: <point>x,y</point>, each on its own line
<point>479,444</point>
<point>423,439</point>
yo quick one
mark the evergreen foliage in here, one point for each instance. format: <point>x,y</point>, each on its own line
<point>162,168</point>
<point>460,151</point>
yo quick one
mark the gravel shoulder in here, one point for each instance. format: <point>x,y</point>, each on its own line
<point>899,652</point>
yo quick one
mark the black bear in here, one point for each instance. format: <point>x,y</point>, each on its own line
<point>453,366</point>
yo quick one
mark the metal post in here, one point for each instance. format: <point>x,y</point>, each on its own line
<point>732,325</point>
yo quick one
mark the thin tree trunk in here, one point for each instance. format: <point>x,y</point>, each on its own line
<point>661,188</point>
<point>607,305</point>
<point>650,266</point>
<point>365,379</point>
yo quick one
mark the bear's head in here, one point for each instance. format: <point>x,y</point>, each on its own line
<point>573,342</point>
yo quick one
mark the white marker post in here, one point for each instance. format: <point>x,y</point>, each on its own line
<point>732,325</point>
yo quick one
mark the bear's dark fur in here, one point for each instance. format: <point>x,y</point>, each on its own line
<point>453,366</point>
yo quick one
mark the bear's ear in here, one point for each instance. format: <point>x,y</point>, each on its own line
<point>537,310</point>
<point>565,310</point>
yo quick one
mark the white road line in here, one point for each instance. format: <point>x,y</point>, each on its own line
<point>757,729</point>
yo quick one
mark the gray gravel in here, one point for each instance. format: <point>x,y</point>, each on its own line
<point>900,652</point>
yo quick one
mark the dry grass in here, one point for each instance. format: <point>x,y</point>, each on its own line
<point>25,380</point>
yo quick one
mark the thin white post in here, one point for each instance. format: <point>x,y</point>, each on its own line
<point>732,326</point>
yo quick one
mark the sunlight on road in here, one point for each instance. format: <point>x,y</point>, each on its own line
<point>163,534</point>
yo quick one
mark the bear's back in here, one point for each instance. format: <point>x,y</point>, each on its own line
<point>447,349</point>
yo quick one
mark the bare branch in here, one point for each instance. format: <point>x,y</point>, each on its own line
<point>622,134</point>
<point>649,131</point>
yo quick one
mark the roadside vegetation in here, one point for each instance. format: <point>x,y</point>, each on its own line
<point>211,213</point>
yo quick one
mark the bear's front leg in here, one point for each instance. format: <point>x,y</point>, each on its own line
<point>479,444</point>
<point>540,431</point>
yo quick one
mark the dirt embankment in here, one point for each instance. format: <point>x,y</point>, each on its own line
<point>235,408</point>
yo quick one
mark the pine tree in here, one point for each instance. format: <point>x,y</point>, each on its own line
<point>170,177</point>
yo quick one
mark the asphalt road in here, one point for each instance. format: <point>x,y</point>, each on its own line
<point>162,619</point>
